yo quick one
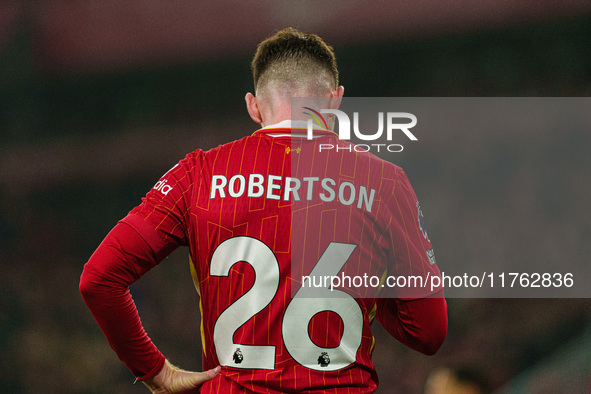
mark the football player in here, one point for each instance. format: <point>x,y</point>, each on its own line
<point>253,213</point>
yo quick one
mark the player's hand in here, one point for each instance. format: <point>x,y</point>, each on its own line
<point>172,379</point>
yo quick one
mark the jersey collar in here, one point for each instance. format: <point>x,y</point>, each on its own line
<point>292,128</point>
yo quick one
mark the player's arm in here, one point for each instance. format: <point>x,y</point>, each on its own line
<point>120,260</point>
<point>419,324</point>
<point>123,257</point>
<point>416,316</point>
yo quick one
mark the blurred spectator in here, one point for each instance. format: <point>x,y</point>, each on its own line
<point>463,380</point>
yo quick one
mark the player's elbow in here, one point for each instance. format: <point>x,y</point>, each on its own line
<point>86,285</point>
<point>434,334</point>
<point>434,328</point>
<point>428,340</point>
<point>90,285</point>
<point>433,340</point>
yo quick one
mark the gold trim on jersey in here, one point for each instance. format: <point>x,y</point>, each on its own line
<point>196,283</point>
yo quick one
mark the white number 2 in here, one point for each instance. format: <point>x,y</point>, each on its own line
<point>307,302</point>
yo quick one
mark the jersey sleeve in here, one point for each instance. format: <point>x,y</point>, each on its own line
<point>122,258</point>
<point>419,324</point>
<point>165,208</point>
<point>412,255</point>
<point>148,234</point>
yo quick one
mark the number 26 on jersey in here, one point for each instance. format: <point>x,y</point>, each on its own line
<point>306,303</point>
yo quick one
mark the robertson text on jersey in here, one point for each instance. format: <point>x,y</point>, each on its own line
<point>288,188</point>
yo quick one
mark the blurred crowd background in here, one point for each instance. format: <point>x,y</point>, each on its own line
<point>98,99</point>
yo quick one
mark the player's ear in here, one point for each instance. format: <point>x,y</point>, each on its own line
<point>253,108</point>
<point>336,96</point>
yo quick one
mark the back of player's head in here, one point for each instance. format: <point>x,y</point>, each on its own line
<point>291,62</point>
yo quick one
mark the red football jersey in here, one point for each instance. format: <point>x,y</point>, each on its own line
<point>261,213</point>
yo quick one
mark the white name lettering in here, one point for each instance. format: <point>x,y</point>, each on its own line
<point>275,187</point>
